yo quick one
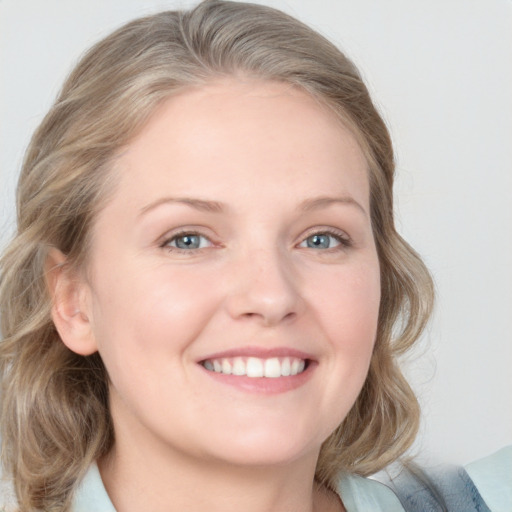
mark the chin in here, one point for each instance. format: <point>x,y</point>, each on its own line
<point>265,447</point>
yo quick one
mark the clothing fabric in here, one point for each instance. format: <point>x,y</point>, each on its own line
<point>492,476</point>
<point>437,490</point>
<point>91,494</point>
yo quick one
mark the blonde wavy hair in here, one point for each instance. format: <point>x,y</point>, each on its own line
<point>54,403</point>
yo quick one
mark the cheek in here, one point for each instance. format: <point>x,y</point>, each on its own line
<point>145,327</point>
<point>347,309</point>
<point>349,314</point>
<point>157,309</point>
<point>350,304</point>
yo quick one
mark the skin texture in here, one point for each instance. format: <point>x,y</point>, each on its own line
<point>252,168</point>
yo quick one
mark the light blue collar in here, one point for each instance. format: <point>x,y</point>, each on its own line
<point>91,494</point>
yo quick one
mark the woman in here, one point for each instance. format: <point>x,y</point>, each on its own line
<point>206,296</point>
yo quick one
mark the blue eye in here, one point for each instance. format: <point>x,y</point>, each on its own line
<point>321,241</point>
<point>188,241</point>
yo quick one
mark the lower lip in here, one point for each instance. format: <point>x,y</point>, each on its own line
<point>264,385</point>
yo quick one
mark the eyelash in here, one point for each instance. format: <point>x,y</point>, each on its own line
<point>182,234</point>
<point>342,238</point>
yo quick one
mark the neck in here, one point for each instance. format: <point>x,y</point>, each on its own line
<point>146,482</point>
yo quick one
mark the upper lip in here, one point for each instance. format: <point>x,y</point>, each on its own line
<point>259,352</point>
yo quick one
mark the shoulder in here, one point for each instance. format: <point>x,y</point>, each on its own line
<point>492,477</point>
<point>363,494</point>
<point>484,486</point>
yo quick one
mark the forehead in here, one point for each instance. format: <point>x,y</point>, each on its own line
<point>252,136</point>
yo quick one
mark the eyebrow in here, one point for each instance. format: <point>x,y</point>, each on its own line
<point>203,205</point>
<point>198,204</point>
<point>325,201</point>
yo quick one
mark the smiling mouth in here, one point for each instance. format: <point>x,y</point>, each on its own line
<point>255,367</point>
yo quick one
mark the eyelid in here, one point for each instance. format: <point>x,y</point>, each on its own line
<point>170,236</point>
<point>344,239</point>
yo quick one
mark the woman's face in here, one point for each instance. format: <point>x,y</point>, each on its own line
<point>234,286</point>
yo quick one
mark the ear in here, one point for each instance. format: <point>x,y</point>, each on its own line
<point>71,305</point>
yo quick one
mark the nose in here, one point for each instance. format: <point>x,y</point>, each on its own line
<point>264,288</point>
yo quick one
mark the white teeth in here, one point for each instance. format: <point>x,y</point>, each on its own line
<point>286,367</point>
<point>226,367</point>
<point>255,367</point>
<point>272,368</point>
<point>238,366</point>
